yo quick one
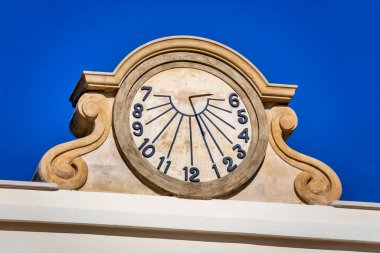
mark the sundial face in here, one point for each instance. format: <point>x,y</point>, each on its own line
<point>190,125</point>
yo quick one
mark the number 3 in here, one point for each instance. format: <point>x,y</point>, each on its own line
<point>240,152</point>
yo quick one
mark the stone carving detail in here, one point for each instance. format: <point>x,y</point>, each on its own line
<point>317,183</point>
<point>282,169</point>
<point>62,164</point>
<point>110,82</point>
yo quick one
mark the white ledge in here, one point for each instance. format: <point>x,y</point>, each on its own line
<point>356,205</point>
<point>173,215</point>
<point>26,185</point>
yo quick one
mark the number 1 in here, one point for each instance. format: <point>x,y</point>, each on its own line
<point>214,167</point>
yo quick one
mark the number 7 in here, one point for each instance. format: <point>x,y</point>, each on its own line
<point>147,88</point>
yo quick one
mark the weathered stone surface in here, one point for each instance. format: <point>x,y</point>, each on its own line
<point>105,157</point>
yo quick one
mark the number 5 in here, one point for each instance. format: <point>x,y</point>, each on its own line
<point>242,118</point>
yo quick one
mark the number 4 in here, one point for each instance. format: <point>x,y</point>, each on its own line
<point>244,135</point>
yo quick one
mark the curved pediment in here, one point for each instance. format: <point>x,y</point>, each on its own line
<point>251,125</point>
<point>110,81</point>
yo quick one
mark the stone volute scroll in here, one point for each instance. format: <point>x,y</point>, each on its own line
<point>63,163</point>
<point>187,117</point>
<point>317,183</point>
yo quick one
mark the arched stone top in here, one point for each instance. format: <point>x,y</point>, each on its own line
<point>105,157</point>
<point>110,81</point>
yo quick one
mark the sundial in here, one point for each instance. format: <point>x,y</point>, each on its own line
<point>187,117</point>
<point>190,130</point>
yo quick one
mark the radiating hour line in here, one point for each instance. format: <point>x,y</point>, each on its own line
<point>204,140</point>
<point>162,96</point>
<point>163,129</point>
<point>217,99</point>
<point>150,121</point>
<point>220,131</point>
<point>212,137</point>
<point>217,107</point>
<point>175,136</point>
<point>158,106</point>
<point>191,143</point>
<point>220,119</point>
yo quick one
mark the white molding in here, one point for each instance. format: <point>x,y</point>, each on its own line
<point>168,216</point>
<point>356,205</point>
<point>26,185</point>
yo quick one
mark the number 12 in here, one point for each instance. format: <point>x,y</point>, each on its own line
<point>194,174</point>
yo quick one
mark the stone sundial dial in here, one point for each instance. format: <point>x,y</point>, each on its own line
<point>187,117</point>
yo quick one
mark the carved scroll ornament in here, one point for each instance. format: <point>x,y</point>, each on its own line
<point>317,183</point>
<point>62,164</point>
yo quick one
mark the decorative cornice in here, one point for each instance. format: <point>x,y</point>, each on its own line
<point>110,82</point>
<point>317,183</point>
<point>25,185</point>
<point>62,164</point>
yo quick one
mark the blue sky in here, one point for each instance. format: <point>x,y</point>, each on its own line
<point>329,48</point>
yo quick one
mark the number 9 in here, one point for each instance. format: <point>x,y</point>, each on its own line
<point>137,126</point>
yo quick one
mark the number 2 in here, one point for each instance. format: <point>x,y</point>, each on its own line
<point>230,163</point>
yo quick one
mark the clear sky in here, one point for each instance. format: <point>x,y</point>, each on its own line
<point>331,49</point>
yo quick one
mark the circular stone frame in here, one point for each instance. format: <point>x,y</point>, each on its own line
<point>159,61</point>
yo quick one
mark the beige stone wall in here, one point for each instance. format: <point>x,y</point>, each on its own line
<point>108,172</point>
